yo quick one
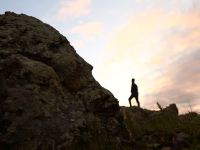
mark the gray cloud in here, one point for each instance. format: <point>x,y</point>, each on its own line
<point>184,78</point>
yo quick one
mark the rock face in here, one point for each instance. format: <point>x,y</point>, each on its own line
<point>48,97</point>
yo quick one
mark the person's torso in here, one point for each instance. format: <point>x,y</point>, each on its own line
<point>134,88</point>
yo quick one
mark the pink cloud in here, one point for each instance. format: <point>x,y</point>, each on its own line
<point>72,9</point>
<point>86,32</point>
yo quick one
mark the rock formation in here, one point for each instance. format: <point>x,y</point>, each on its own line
<point>49,99</point>
<point>163,129</point>
<point>140,114</point>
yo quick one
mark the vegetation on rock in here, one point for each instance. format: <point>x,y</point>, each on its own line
<point>164,129</point>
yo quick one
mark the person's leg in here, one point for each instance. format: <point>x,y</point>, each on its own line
<point>137,100</point>
<point>129,99</point>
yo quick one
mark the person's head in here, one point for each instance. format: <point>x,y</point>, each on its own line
<point>133,80</point>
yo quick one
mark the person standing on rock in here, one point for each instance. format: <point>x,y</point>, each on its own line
<point>134,93</point>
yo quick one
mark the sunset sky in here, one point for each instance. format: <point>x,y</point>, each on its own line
<point>157,42</point>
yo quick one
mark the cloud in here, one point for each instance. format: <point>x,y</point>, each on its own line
<point>72,9</point>
<point>171,6</point>
<point>86,32</point>
<point>139,1</point>
<point>181,82</point>
<point>161,50</point>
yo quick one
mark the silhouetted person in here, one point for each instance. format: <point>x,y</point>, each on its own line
<point>134,93</point>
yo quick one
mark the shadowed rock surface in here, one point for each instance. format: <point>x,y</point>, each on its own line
<point>48,97</point>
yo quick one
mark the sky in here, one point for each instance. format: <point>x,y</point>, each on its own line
<point>154,41</point>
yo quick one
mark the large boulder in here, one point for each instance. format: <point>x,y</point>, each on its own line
<point>48,96</point>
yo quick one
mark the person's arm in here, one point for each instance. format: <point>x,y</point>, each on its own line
<point>136,88</point>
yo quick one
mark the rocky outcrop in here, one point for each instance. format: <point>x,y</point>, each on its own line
<point>139,114</point>
<point>48,97</point>
<point>163,129</point>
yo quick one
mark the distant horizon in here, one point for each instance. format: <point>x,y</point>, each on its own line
<point>155,42</point>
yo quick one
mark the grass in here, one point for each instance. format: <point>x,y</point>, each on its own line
<point>94,138</point>
<point>161,128</point>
